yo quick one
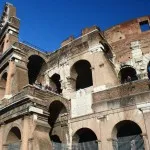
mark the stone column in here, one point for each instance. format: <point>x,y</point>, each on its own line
<point>99,144</point>
<point>30,144</point>
<point>21,74</point>
<point>145,142</point>
<point>11,71</point>
<point>1,136</point>
<point>146,117</point>
<point>25,132</point>
<point>112,143</point>
<point>93,75</point>
<point>70,87</point>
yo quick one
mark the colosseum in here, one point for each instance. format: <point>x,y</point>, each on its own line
<point>93,93</point>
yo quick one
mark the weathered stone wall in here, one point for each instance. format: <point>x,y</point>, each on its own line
<point>130,45</point>
<point>88,48</point>
<point>98,107</point>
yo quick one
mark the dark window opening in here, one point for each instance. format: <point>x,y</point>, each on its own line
<point>127,128</point>
<point>144,25</point>
<point>4,77</point>
<point>128,74</point>
<point>14,135</point>
<point>84,135</point>
<point>84,74</point>
<point>56,80</point>
<point>3,80</point>
<point>55,138</point>
<point>34,67</point>
<point>56,109</point>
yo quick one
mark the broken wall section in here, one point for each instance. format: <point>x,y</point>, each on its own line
<point>130,42</point>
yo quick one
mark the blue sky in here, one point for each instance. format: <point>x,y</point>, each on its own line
<point>46,23</point>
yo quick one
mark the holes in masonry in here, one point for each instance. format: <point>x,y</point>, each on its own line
<point>144,26</point>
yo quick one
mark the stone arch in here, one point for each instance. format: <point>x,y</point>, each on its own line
<point>85,138</point>
<point>56,139</point>
<point>56,110</point>
<point>35,68</point>
<point>13,140</point>
<point>58,121</point>
<point>34,52</point>
<point>17,125</point>
<point>127,73</point>
<point>65,102</point>
<point>127,133</point>
<point>3,81</point>
<point>55,83</point>
<point>81,75</point>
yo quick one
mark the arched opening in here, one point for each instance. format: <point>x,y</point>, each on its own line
<point>128,135</point>
<point>56,142</point>
<point>14,139</point>
<point>81,72</point>
<point>85,139</point>
<point>3,84</point>
<point>58,117</point>
<point>35,65</point>
<point>55,83</point>
<point>127,74</point>
<point>56,110</point>
<point>55,138</point>
<point>148,70</point>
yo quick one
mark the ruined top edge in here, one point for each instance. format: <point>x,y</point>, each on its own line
<point>138,19</point>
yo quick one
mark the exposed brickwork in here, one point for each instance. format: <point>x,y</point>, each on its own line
<point>121,36</point>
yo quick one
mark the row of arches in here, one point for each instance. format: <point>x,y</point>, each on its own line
<point>80,71</point>
<point>127,133</point>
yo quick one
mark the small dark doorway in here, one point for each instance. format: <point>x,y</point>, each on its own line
<point>83,72</point>
<point>129,136</point>
<point>127,74</point>
<point>34,67</point>
<point>56,87</point>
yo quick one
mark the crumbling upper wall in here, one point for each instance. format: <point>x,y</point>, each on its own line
<point>121,36</point>
<point>9,27</point>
